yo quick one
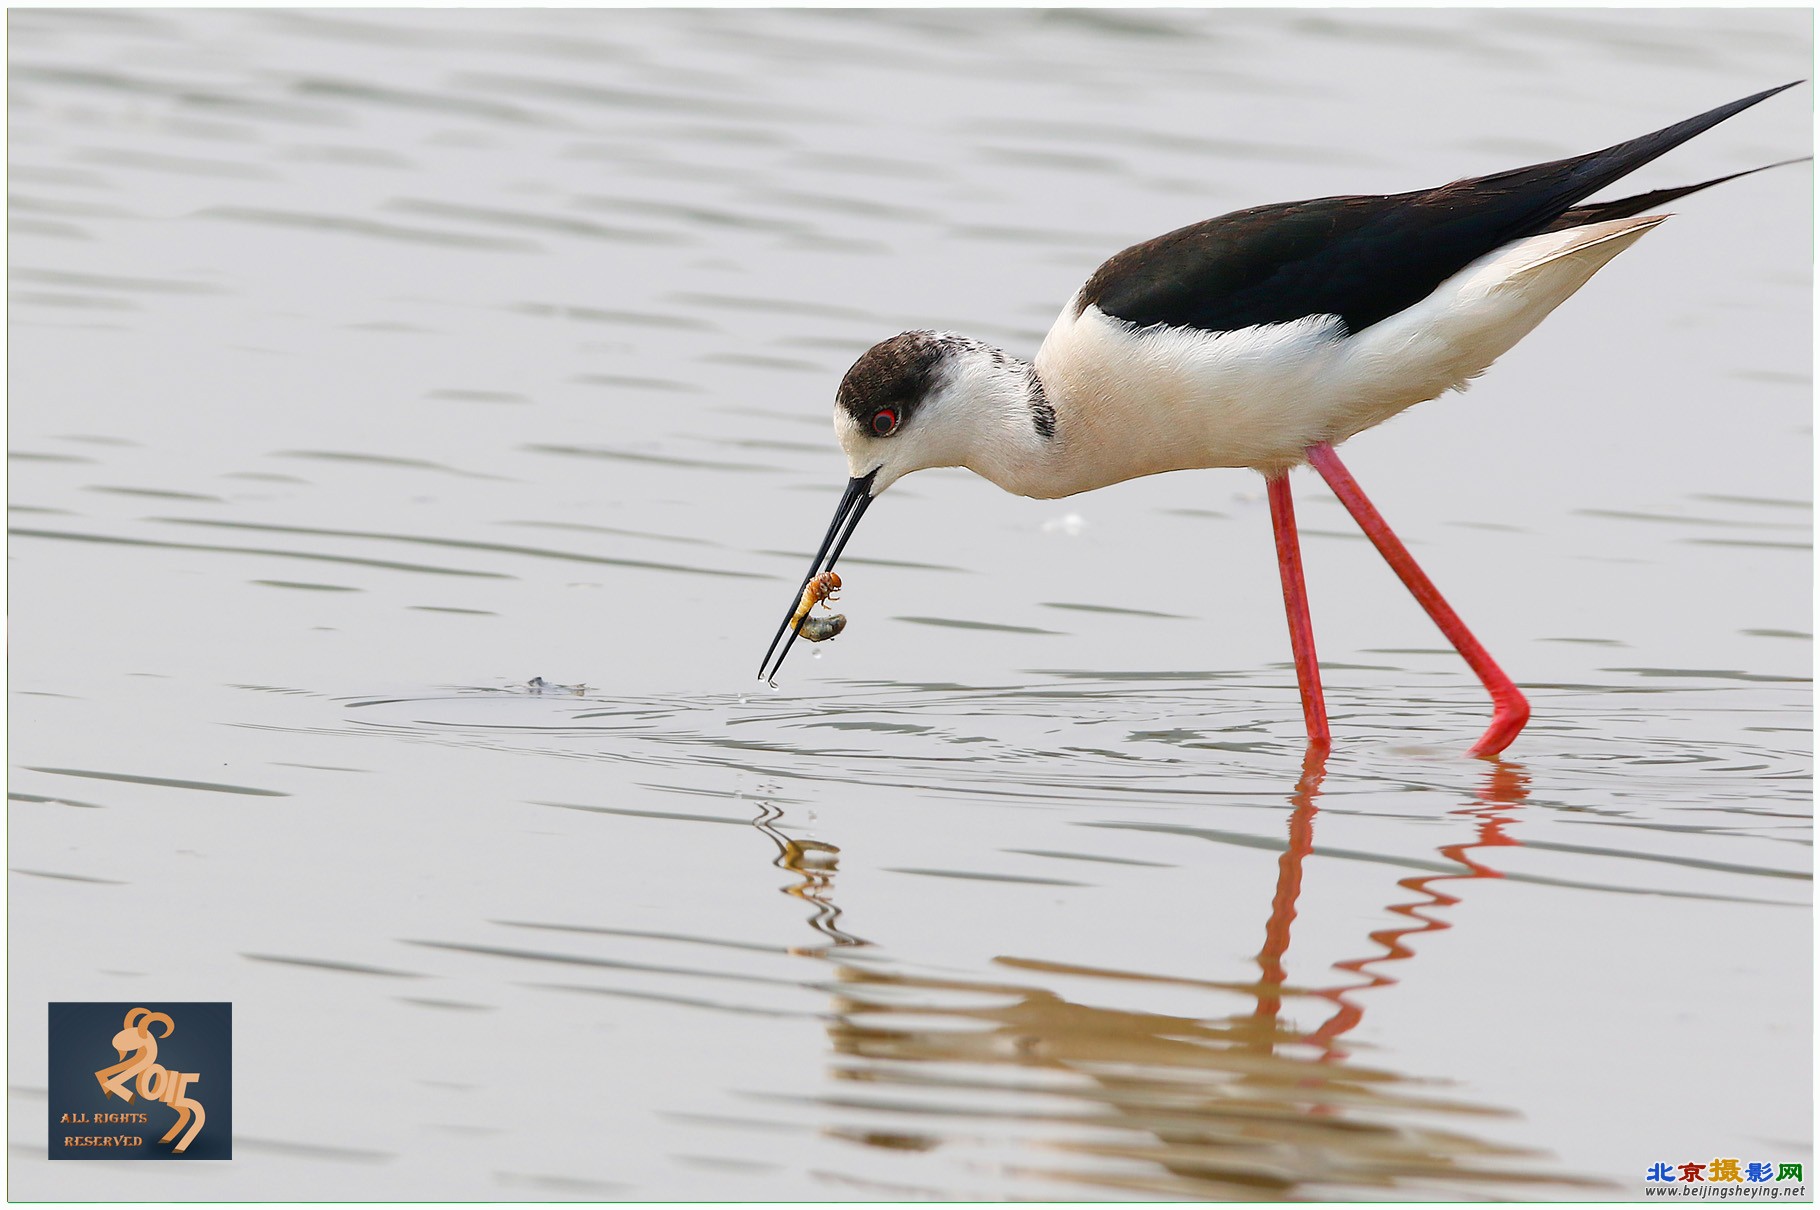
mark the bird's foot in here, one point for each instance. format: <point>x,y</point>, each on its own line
<point>1509,717</point>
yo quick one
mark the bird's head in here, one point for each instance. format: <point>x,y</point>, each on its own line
<point>919,400</point>
<point>916,401</point>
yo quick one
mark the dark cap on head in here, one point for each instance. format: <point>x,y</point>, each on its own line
<point>893,373</point>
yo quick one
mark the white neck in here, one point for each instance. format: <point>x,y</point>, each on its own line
<point>990,415</point>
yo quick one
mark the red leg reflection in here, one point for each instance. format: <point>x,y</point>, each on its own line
<point>1295,604</point>
<point>1289,884</point>
<point>1505,787</point>
<point>1510,708</point>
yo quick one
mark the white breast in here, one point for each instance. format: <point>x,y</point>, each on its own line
<point>1133,401</point>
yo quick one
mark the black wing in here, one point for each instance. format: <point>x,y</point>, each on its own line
<point>1366,258</point>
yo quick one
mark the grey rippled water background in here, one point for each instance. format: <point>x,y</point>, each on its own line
<point>366,365</point>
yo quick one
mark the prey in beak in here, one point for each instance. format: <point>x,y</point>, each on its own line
<point>853,504</point>
<point>896,412</point>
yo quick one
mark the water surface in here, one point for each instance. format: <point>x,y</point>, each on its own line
<point>366,366</point>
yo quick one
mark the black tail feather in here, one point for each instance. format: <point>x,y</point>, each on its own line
<point>1599,212</point>
<point>1550,190</point>
<point>1594,172</point>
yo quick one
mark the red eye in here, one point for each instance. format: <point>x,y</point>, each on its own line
<point>884,423</point>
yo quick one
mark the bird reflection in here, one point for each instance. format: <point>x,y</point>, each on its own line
<point>1506,786</point>
<point>815,863</point>
<point>1234,1104</point>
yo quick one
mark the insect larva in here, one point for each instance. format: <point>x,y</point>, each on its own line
<point>819,590</point>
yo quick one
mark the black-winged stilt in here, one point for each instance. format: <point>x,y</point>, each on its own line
<point>1260,339</point>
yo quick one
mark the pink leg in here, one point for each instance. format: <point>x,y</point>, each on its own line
<point>1295,604</point>
<point>1510,708</point>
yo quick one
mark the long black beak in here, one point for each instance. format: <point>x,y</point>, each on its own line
<point>853,505</point>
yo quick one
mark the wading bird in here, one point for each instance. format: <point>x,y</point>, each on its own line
<point>1262,339</point>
